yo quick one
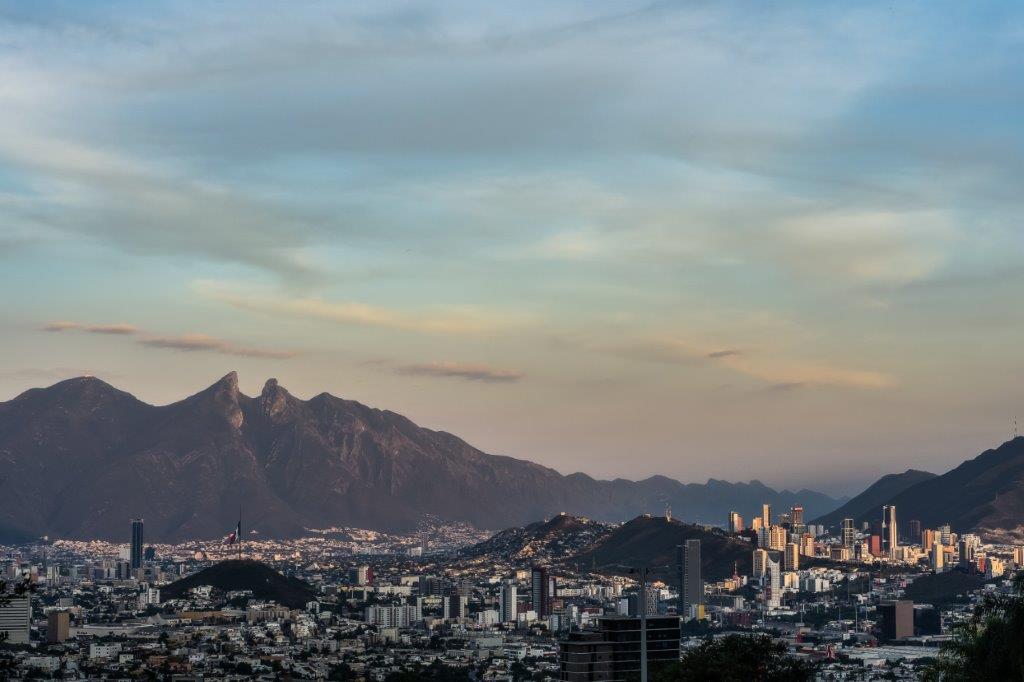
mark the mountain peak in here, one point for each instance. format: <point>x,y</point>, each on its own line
<point>274,398</point>
<point>228,382</point>
<point>223,394</point>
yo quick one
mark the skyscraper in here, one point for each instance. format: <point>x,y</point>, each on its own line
<point>791,557</point>
<point>848,533</point>
<point>509,607</point>
<point>938,557</point>
<point>771,581</point>
<point>766,515</point>
<point>735,522</point>
<point>796,520</point>
<point>914,532</point>
<point>889,537</point>
<point>136,555</point>
<point>760,562</point>
<point>454,606</point>
<point>693,585</point>
<point>540,591</point>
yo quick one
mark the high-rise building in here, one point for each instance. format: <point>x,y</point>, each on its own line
<point>392,616</point>
<point>777,538</point>
<point>791,557</point>
<point>760,563</point>
<point>914,531</point>
<point>897,620</point>
<point>509,605</point>
<point>766,515</point>
<point>938,557</point>
<point>757,524</point>
<point>771,582</point>
<point>58,626</point>
<point>455,606</point>
<point>807,545</point>
<point>946,534</point>
<point>693,585</point>
<point>359,575</point>
<point>136,555</point>
<point>540,591</point>
<point>875,545</point>
<point>15,620</point>
<point>849,533</point>
<point>969,546</point>
<point>928,538</point>
<point>796,521</point>
<point>1018,557</point>
<point>612,652</point>
<point>890,539</point>
<point>649,602</point>
<point>735,522</point>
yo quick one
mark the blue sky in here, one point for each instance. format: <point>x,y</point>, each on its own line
<point>697,239</point>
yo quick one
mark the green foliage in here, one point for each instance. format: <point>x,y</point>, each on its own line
<point>753,658</point>
<point>990,646</point>
<point>436,672</point>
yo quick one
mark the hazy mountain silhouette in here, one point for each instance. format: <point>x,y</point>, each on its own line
<point>984,494</point>
<point>80,458</point>
<point>868,504</point>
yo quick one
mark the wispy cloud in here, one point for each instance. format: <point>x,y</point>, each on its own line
<point>185,342</point>
<point>775,369</point>
<point>455,320</point>
<point>117,329</point>
<point>204,343</point>
<point>458,370</point>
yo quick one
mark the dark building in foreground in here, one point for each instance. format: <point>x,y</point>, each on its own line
<point>896,620</point>
<point>136,555</point>
<point>612,652</point>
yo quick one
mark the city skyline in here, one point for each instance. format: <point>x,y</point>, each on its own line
<point>564,216</point>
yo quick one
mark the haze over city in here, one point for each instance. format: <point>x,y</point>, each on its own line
<point>699,240</point>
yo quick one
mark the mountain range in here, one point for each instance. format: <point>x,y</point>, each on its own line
<point>984,495</point>
<point>80,458</point>
<point>868,504</point>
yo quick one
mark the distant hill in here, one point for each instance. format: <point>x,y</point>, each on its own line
<point>984,495</point>
<point>543,541</point>
<point>868,504</point>
<point>78,459</point>
<point>243,574</point>
<point>942,589</point>
<point>652,540</point>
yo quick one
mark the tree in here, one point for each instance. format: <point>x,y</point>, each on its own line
<point>757,658</point>
<point>990,646</point>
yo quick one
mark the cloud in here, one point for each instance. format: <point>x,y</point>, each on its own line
<point>204,343</point>
<point>116,329</point>
<point>785,387</point>
<point>186,342</point>
<point>461,371</point>
<point>139,206</point>
<point>454,320</point>
<point>774,369</point>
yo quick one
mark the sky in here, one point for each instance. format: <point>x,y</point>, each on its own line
<point>699,239</point>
